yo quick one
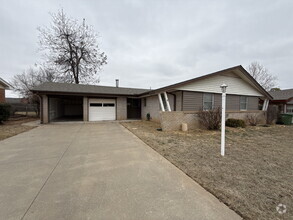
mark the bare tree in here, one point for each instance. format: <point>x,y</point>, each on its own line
<point>72,48</point>
<point>30,78</point>
<point>262,75</point>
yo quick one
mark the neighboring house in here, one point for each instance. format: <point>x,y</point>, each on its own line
<point>3,86</point>
<point>95,103</point>
<point>283,99</point>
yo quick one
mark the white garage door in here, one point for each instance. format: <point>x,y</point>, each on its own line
<point>102,109</point>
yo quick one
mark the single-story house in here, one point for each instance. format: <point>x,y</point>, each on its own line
<point>3,86</point>
<point>61,101</point>
<point>283,99</point>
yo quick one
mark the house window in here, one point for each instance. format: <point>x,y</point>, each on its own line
<point>243,103</point>
<point>144,102</point>
<point>208,101</point>
<point>289,109</point>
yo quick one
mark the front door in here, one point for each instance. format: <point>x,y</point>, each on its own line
<point>133,108</point>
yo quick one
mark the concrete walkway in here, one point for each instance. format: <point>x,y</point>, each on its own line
<point>96,171</point>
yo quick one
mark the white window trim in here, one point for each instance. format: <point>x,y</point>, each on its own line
<point>246,97</point>
<point>213,101</point>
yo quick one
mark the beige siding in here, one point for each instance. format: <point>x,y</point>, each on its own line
<point>217,101</point>
<point>178,100</point>
<point>193,101</point>
<point>121,109</point>
<point>233,102</point>
<point>236,85</point>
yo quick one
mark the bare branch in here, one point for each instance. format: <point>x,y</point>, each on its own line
<point>72,48</point>
<point>262,75</point>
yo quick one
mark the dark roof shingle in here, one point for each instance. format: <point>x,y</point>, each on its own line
<point>282,94</point>
<point>86,89</point>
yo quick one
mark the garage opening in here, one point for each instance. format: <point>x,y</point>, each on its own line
<point>65,108</point>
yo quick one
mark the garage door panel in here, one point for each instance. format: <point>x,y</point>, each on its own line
<point>102,109</point>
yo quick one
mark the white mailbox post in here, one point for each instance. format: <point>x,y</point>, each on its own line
<point>223,87</point>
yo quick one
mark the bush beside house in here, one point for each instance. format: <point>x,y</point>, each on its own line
<point>4,112</point>
<point>235,123</point>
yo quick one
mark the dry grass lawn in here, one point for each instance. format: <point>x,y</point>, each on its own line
<point>14,126</point>
<point>253,178</point>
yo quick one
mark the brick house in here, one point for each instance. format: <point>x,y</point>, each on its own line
<point>3,86</point>
<point>180,101</point>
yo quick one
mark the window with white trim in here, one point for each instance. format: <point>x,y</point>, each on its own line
<point>208,101</point>
<point>243,103</point>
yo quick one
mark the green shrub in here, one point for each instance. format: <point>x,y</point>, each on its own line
<point>235,123</point>
<point>4,112</point>
<point>148,116</point>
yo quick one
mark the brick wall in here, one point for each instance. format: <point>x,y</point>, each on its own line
<point>2,95</point>
<point>172,121</point>
<point>153,107</point>
<point>121,108</point>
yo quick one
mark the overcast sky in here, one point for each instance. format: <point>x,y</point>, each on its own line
<point>153,43</point>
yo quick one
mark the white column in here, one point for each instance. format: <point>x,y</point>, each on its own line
<point>268,101</point>
<point>161,102</point>
<point>264,104</point>
<point>223,123</point>
<point>167,101</point>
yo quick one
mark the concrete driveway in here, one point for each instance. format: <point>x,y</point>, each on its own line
<point>96,171</point>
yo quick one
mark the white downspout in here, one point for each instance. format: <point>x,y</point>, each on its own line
<point>167,101</point>
<point>161,102</point>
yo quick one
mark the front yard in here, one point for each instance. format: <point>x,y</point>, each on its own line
<point>15,126</point>
<point>253,178</point>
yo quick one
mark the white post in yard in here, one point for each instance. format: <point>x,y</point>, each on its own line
<point>161,102</point>
<point>223,87</point>
<point>167,101</point>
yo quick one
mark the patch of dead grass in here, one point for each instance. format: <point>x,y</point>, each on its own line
<point>14,126</point>
<point>253,178</point>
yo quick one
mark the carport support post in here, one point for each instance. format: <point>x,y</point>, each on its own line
<point>223,87</point>
<point>45,110</point>
<point>85,108</point>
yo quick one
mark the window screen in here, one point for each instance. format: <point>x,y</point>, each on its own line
<point>208,101</point>
<point>243,102</point>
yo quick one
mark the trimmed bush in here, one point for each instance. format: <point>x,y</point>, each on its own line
<point>235,123</point>
<point>4,112</point>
